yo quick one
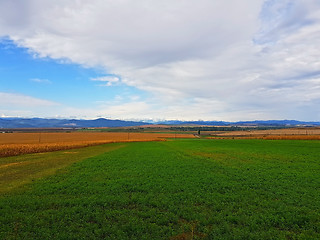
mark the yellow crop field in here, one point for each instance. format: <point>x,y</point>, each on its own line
<point>287,133</point>
<point>292,137</point>
<point>12,144</point>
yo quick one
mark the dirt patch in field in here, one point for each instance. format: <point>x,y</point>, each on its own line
<point>214,156</point>
<point>14,164</point>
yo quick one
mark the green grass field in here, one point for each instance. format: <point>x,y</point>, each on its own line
<point>178,189</point>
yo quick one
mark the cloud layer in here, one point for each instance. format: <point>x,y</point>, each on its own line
<point>226,60</point>
<point>19,105</point>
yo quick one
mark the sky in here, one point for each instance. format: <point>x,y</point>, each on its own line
<point>153,60</point>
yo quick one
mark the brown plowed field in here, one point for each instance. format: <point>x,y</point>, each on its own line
<point>22,143</point>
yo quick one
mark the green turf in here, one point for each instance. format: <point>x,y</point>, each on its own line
<point>179,189</point>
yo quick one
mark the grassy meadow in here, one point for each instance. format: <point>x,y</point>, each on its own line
<point>175,189</point>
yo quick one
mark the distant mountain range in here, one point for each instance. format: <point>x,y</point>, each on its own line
<point>64,123</point>
<point>102,122</point>
<point>245,123</point>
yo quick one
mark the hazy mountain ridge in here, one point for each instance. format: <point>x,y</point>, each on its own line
<point>246,123</point>
<point>102,122</point>
<point>64,123</point>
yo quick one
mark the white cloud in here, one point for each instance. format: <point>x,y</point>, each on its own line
<point>20,100</point>
<point>19,105</point>
<point>39,80</point>
<point>109,80</point>
<point>206,59</point>
<point>106,79</point>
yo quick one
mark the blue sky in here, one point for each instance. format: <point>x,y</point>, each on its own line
<point>59,81</point>
<point>44,78</point>
<point>160,60</point>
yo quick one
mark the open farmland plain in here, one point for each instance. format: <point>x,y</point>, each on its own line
<point>12,144</point>
<point>175,189</point>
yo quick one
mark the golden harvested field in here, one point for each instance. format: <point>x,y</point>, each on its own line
<point>292,137</point>
<point>12,144</point>
<point>288,133</point>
